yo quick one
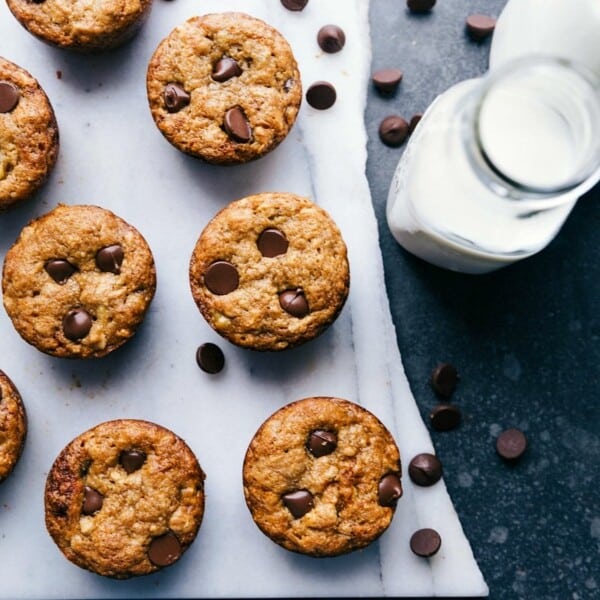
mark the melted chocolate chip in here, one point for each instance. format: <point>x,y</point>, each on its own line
<point>164,550</point>
<point>221,277</point>
<point>236,125</point>
<point>59,269</point>
<point>321,95</point>
<point>294,302</point>
<point>425,469</point>
<point>272,242</point>
<point>175,97</point>
<point>225,69</point>
<point>9,96</point>
<point>445,417</point>
<point>321,442</point>
<point>298,503</point>
<point>444,379</point>
<point>387,81</point>
<point>331,38</point>
<point>132,460</point>
<point>511,444</point>
<point>425,542</point>
<point>110,259</point>
<point>77,324</point>
<point>389,489</point>
<point>92,501</point>
<point>295,5</point>
<point>210,358</point>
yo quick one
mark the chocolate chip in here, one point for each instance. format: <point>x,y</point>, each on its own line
<point>480,26</point>
<point>445,417</point>
<point>221,277</point>
<point>321,442</point>
<point>92,501</point>
<point>132,460</point>
<point>237,126</point>
<point>272,242</point>
<point>387,80</point>
<point>59,269</point>
<point>288,85</point>
<point>295,5</point>
<point>393,131</point>
<point>175,97</point>
<point>389,489</point>
<point>164,550</point>
<point>294,302</point>
<point>321,95</point>
<point>425,469</point>
<point>77,324</point>
<point>298,503</point>
<point>331,38</point>
<point>425,542</point>
<point>444,379</point>
<point>511,444</point>
<point>225,69</point>
<point>414,121</point>
<point>110,259</point>
<point>210,358</point>
<point>420,5</point>
<point>9,96</point>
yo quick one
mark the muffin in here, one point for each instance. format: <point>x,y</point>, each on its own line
<point>78,281</point>
<point>125,498</point>
<point>224,88</point>
<point>28,135</point>
<point>13,426</point>
<point>270,271</point>
<point>322,477</point>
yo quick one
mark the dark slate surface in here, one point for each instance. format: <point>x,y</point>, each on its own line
<point>525,340</point>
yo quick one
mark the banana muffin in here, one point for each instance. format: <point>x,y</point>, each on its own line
<point>13,426</point>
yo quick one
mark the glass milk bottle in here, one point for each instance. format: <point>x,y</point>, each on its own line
<point>496,164</point>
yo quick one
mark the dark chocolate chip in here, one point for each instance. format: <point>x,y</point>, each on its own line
<point>321,442</point>
<point>92,501</point>
<point>480,27</point>
<point>272,242</point>
<point>511,444</point>
<point>393,131</point>
<point>298,503</point>
<point>444,379</point>
<point>77,324</point>
<point>414,121</point>
<point>225,69</point>
<point>425,542</point>
<point>321,95</point>
<point>132,460</point>
<point>389,489</point>
<point>59,269</point>
<point>425,469</point>
<point>237,126</point>
<point>387,80</point>
<point>420,5</point>
<point>295,5</point>
<point>110,259</point>
<point>445,417</point>
<point>221,277</point>
<point>210,358</point>
<point>331,38</point>
<point>175,97</point>
<point>294,302</point>
<point>164,550</point>
<point>9,96</point>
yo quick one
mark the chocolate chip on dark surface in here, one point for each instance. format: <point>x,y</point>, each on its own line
<point>59,269</point>
<point>387,81</point>
<point>221,277</point>
<point>425,469</point>
<point>164,550</point>
<point>225,69</point>
<point>321,442</point>
<point>444,378</point>
<point>9,96</point>
<point>298,503</point>
<point>425,542</point>
<point>389,489</point>
<point>419,6</point>
<point>272,242</point>
<point>414,121</point>
<point>175,97</point>
<point>92,501</point>
<point>294,302</point>
<point>321,95</point>
<point>110,258</point>
<point>393,131</point>
<point>132,460</point>
<point>445,417</point>
<point>331,38</point>
<point>77,324</point>
<point>210,358</point>
<point>479,26</point>
<point>511,444</point>
<point>236,125</point>
<point>295,5</point>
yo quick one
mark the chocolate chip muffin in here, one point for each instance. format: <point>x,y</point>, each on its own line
<point>13,426</point>
<point>224,87</point>
<point>78,281</point>
<point>82,26</point>
<point>125,498</point>
<point>322,477</point>
<point>270,271</point>
<point>28,135</point>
